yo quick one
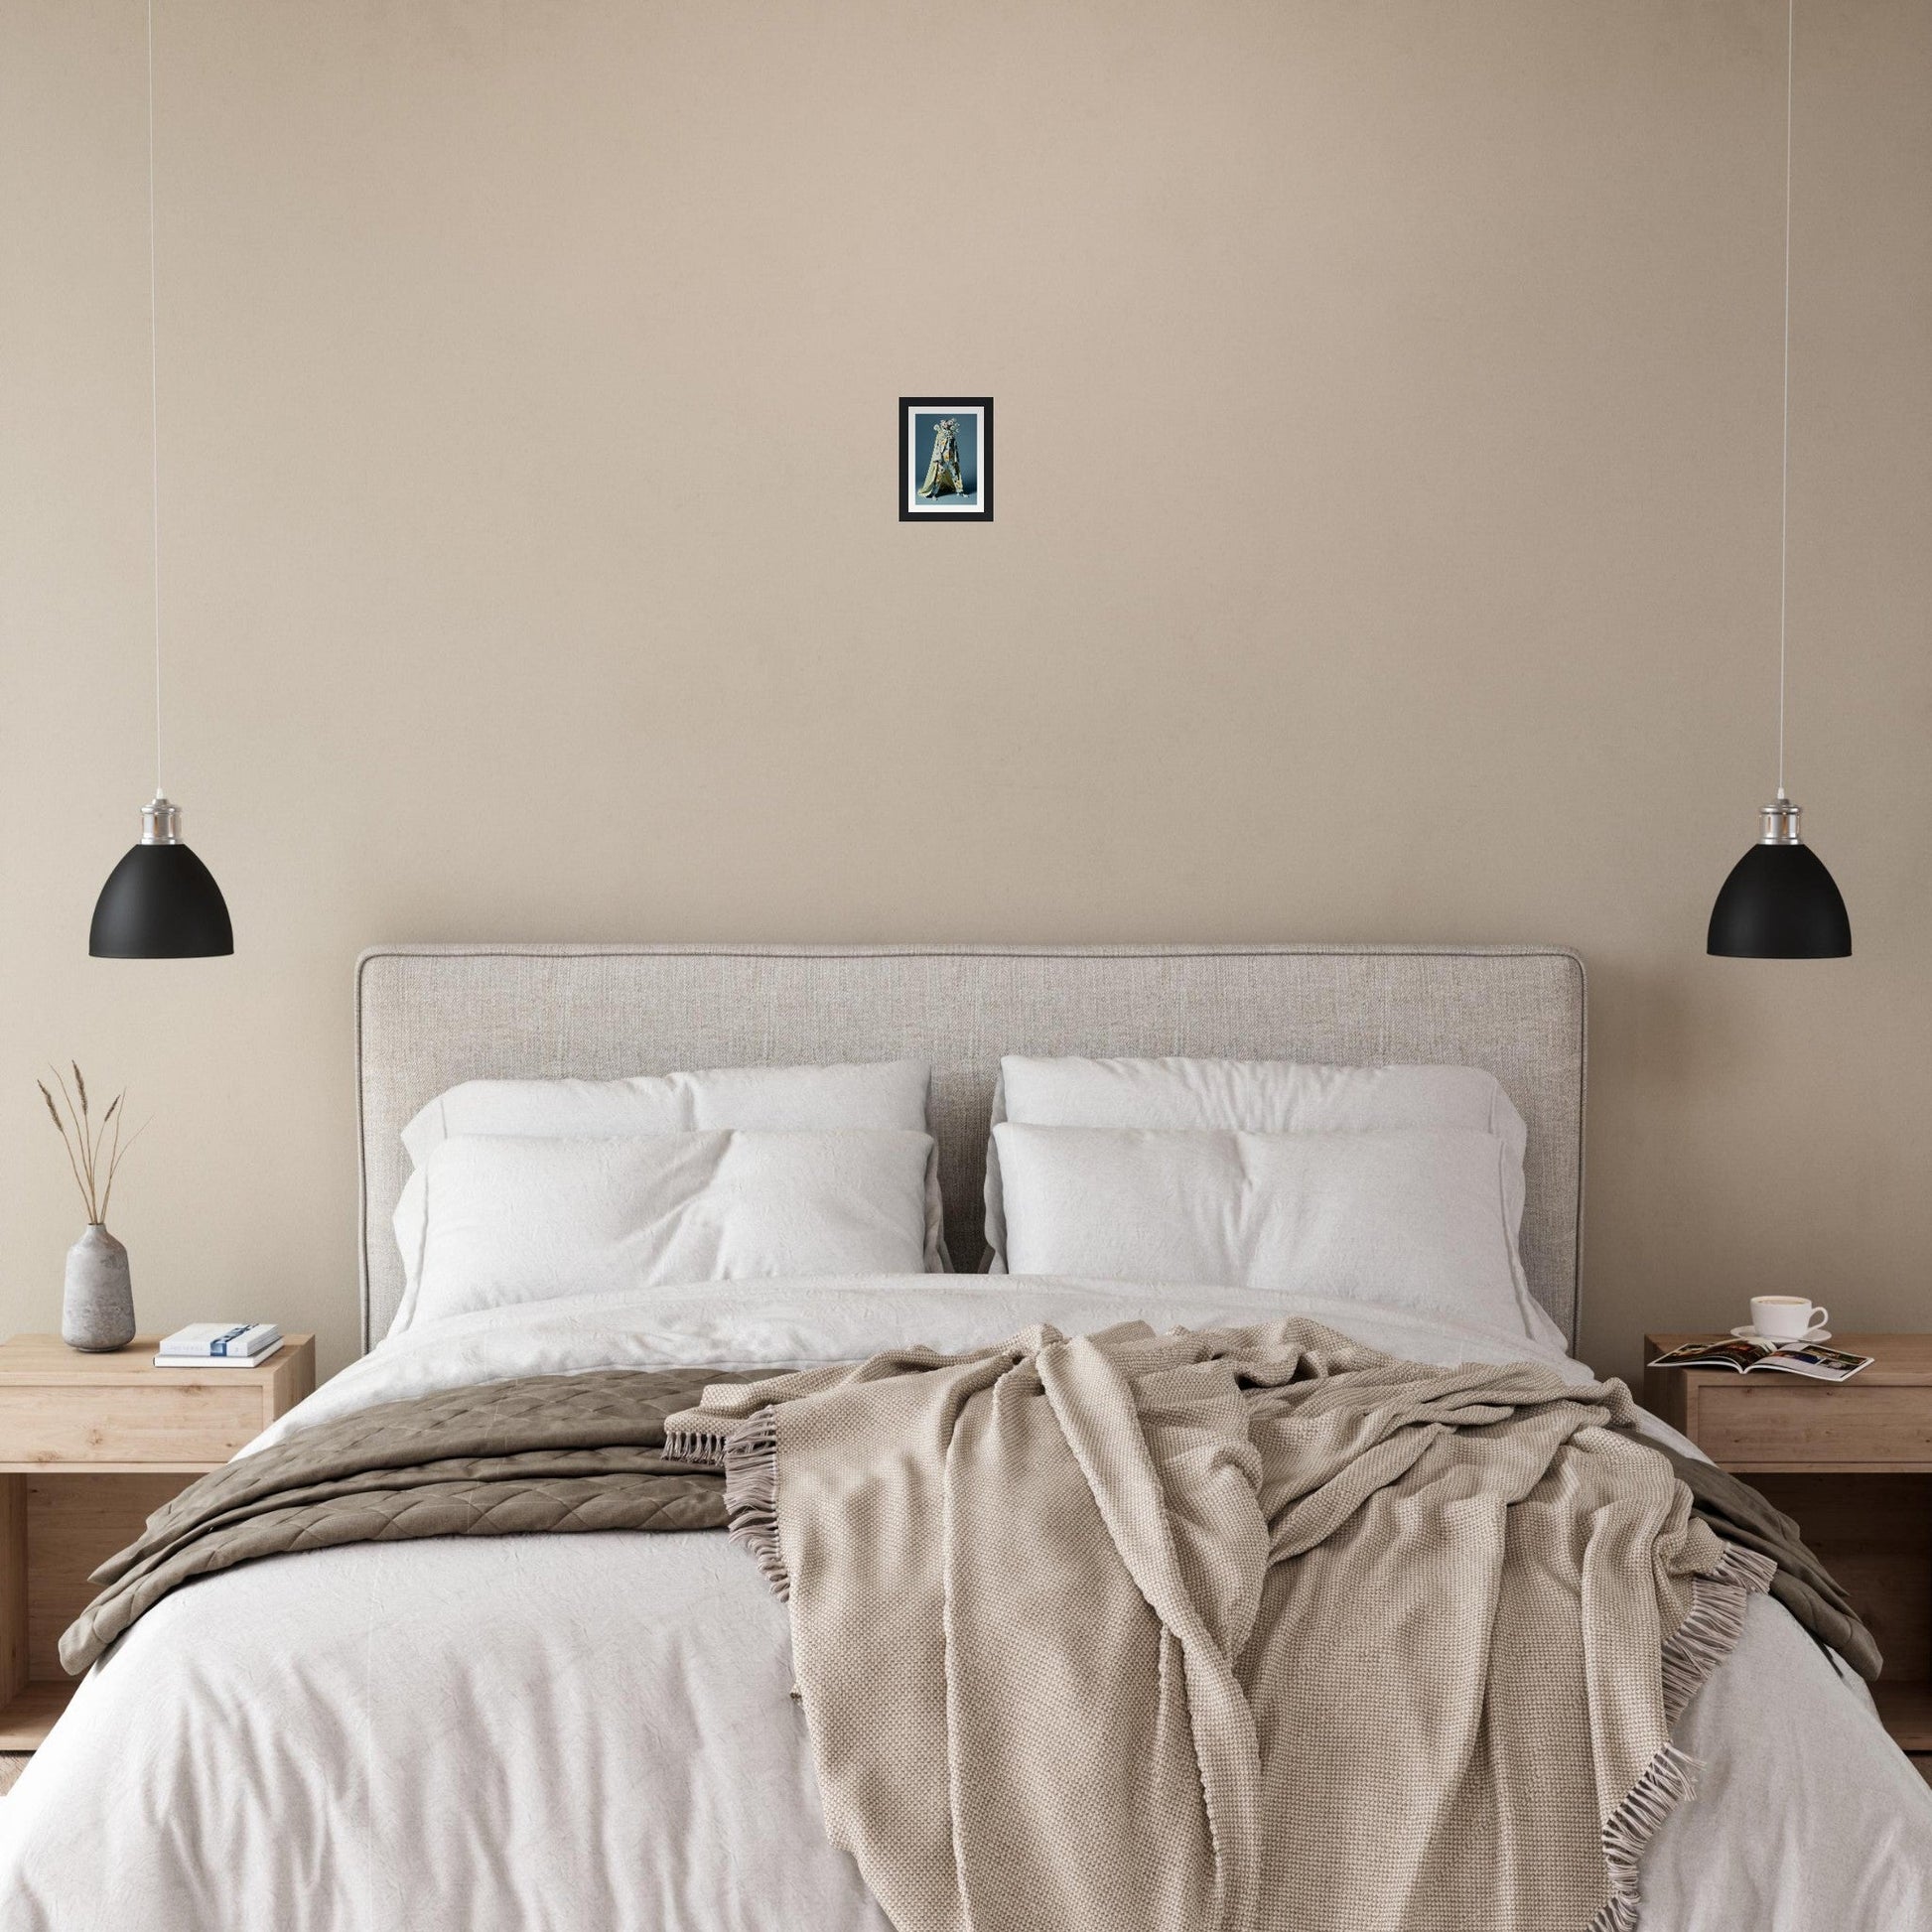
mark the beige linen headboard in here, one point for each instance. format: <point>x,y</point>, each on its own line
<point>427,1016</point>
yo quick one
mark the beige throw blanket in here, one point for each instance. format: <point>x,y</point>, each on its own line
<point>1233,1631</point>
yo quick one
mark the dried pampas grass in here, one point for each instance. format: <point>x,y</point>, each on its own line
<point>93,1154</point>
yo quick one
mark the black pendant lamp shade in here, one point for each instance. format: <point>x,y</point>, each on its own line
<point>159,901</point>
<point>1779,901</point>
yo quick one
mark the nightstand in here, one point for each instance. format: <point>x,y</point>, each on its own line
<point>89,1446</point>
<point>1852,1462</point>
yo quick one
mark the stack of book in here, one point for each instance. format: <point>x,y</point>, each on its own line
<point>220,1344</point>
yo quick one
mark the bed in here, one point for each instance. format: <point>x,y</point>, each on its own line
<point>594,1731</point>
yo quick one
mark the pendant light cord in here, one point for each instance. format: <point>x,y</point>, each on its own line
<point>1784,486</point>
<point>154,408</point>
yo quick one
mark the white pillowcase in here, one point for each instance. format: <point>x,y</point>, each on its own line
<point>879,1093</point>
<point>875,1095</point>
<point>513,1218</point>
<point>1252,1096</point>
<point>1411,1217</point>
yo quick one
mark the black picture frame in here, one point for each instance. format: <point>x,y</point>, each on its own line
<point>979,510</point>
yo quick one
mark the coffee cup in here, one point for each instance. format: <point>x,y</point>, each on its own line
<point>1787,1318</point>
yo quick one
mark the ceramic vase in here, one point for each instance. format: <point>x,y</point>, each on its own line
<point>97,1310</point>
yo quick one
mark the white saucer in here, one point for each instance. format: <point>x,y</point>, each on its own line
<point>1748,1333</point>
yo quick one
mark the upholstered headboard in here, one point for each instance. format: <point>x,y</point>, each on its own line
<point>428,1017</point>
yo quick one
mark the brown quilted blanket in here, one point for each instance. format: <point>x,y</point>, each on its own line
<point>547,1452</point>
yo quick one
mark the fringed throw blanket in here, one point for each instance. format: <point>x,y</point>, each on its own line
<point>1247,1630</point>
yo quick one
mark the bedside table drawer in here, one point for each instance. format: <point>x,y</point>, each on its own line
<point>1759,1424</point>
<point>193,1424</point>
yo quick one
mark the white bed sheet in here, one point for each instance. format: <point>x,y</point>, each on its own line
<point>592,1732</point>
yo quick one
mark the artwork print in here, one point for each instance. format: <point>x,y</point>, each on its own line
<point>945,458</point>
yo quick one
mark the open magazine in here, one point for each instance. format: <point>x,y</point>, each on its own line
<point>1793,1357</point>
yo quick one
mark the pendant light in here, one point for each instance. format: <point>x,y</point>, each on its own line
<point>159,901</point>
<point>1779,901</point>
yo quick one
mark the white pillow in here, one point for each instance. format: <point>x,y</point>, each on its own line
<point>511,1218</point>
<point>1411,1217</point>
<point>1253,1096</point>
<point>879,1094</point>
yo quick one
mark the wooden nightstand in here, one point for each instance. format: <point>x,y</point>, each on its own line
<point>89,1446</point>
<point>1852,1461</point>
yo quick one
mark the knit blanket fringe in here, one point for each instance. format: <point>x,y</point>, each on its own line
<point>747,1453</point>
<point>1702,1642</point>
<point>699,1443</point>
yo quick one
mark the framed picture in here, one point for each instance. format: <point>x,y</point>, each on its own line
<point>945,458</point>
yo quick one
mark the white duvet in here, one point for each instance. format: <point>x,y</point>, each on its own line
<point>592,1732</point>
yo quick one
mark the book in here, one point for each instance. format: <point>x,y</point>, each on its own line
<point>203,1343</point>
<point>1808,1358</point>
<point>215,1362</point>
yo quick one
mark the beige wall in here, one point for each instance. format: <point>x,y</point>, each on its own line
<point>1388,415</point>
